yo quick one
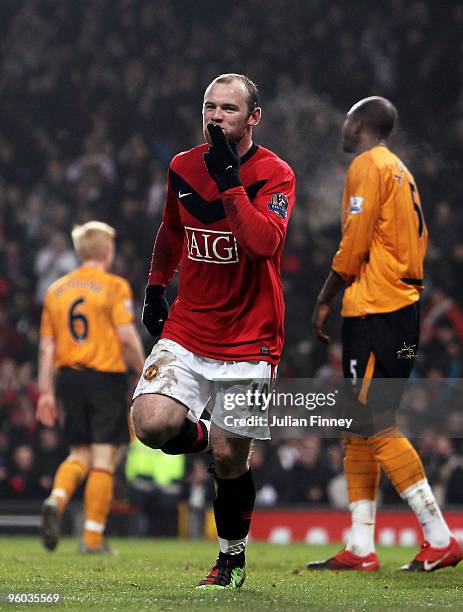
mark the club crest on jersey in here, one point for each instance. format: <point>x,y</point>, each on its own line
<point>279,205</point>
<point>356,205</point>
<point>211,246</point>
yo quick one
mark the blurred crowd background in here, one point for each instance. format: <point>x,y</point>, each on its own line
<point>98,95</point>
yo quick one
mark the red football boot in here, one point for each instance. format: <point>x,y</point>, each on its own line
<point>430,559</point>
<point>346,560</point>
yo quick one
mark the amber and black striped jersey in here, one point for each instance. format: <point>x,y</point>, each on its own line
<point>384,235</point>
<point>81,313</point>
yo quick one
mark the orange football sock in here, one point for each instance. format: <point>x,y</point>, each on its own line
<point>98,496</point>
<point>398,458</point>
<point>67,478</point>
<point>403,466</point>
<point>361,469</point>
<point>362,473</point>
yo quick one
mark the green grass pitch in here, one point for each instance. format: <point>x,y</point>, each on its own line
<point>161,575</point>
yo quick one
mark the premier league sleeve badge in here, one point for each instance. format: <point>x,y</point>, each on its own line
<point>279,205</point>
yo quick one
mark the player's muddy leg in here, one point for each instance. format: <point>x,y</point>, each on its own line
<point>235,491</point>
<point>161,422</point>
<point>233,507</point>
<point>156,418</point>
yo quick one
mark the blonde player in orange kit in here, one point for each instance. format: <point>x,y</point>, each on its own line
<point>379,264</point>
<point>87,342</point>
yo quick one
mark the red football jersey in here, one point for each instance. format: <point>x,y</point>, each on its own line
<point>230,301</point>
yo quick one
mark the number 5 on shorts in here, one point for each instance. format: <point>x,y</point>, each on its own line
<point>353,371</point>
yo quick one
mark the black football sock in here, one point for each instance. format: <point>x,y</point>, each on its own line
<point>233,560</point>
<point>233,508</point>
<point>192,438</point>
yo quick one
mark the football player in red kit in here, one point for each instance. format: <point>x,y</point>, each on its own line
<point>224,224</point>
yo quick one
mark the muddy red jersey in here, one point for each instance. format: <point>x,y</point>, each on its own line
<point>228,249</point>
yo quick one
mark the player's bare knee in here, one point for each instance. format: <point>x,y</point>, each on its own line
<point>152,424</point>
<point>147,425</point>
<point>231,454</point>
<point>227,464</point>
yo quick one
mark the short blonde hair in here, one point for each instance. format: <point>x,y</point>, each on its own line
<point>93,239</point>
<point>245,82</point>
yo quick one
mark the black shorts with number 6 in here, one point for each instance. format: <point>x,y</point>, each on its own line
<point>95,406</point>
<point>378,347</point>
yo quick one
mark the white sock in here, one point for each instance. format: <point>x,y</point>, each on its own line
<point>361,540</point>
<point>421,500</point>
<point>232,547</point>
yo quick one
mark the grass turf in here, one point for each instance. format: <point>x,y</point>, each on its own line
<point>161,575</point>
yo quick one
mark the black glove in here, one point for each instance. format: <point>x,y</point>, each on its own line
<point>222,159</point>
<point>155,309</point>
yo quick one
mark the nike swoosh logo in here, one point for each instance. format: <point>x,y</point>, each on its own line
<point>368,563</point>
<point>183,195</point>
<point>429,566</point>
<point>206,211</point>
<point>228,167</point>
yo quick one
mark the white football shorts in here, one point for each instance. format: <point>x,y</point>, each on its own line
<point>223,388</point>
